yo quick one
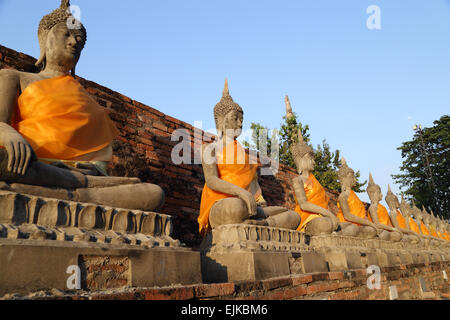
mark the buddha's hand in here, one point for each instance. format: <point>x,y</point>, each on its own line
<point>18,149</point>
<point>249,200</point>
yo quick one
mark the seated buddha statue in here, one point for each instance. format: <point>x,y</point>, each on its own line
<point>232,194</point>
<point>441,227</point>
<point>406,208</point>
<point>421,222</point>
<point>310,197</point>
<point>352,212</point>
<point>400,219</point>
<point>379,215</point>
<point>55,140</point>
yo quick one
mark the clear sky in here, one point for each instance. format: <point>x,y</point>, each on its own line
<point>362,90</point>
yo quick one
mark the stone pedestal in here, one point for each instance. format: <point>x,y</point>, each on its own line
<point>41,238</point>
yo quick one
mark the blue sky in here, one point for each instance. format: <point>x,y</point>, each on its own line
<point>362,90</point>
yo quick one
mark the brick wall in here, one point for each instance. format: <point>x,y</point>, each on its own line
<point>144,147</point>
<point>345,285</point>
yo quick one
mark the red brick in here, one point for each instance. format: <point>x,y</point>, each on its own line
<point>213,290</point>
<point>276,283</point>
<point>294,292</point>
<point>160,126</point>
<point>301,279</point>
<point>180,293</point>
<point>335,275</point>
<point>115,296</point>
<point>321,287</point>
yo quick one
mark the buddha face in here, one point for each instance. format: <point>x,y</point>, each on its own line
<point>305,163</point>
<point>232,124</point>
<point>63,46</point>
<point>392,201</point>
<point>375,195</point>
<point>349,180</point>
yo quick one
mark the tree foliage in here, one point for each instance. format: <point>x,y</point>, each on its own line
<point>425,168</point>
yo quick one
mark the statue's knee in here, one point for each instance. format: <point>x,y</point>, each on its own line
<point>155,196</point>
<point>349,229</point>
<point>396,236</point>
<point>369,232</point>
<point>228,211</point>
<point>319,226</point>
<point>384,235</point>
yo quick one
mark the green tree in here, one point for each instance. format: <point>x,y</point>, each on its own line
<point>288,134</point>
<point>425,168</point>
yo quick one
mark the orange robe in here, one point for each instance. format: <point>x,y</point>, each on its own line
<point>424,229</point>
<point>60,120</point>
<point>316,194</point>
<point>401,220</point>
<point>383,215</point>
<point>413,226</point>
<point>238,172</point>
<point>356,207</point>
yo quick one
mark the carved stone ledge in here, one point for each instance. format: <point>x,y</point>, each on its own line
<point>251,237</point>
<point>37,218</point>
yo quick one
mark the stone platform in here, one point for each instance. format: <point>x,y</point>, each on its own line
<point>247,252</point>
<point>41,238</point>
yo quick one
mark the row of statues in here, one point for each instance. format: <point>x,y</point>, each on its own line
<point>232,194</point>
<point>55,141</point>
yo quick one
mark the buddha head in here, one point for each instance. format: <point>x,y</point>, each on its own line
<point>61,39</point>
<point>346,175</point>
<point>374,190</point>
<point>405,208</point>
<point>228,116</point>
<point>426,217</point>
<point>303,155</point>
<point>392,200</point>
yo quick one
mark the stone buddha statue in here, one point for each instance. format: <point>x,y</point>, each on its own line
<point>400,219</point>
<point>441,227</point>
<point>232,194</point>
<point>55,140</point>
<point>407,212</point>
<point>352,212</point>
<point>379,214</point>
<point>310,197</point>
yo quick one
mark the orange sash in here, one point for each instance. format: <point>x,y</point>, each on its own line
<point>316,194</point>
<point>356,207</point>
<point>413,226</point>
<point>239,172</point>
<point>61,120</point>
<point>401,220</point>
<point>424,229</point>
<point>383,215</point>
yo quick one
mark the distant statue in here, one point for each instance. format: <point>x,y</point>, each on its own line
<point>379,214</point>
<point>55,140</point>
<point>310,197</point>
<point>400,219</point>
<point>232,193</point>
<point>352,212</point>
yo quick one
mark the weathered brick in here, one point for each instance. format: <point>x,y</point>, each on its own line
<point>335,275</point>
<point>179,293</point>
<point>276,283</point>
<point>321,287</point>
<point>213,290</point>
<point>301,279</point>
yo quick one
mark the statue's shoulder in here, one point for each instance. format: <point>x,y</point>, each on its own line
<point>10,74</point>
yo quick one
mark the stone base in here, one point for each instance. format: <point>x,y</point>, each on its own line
<point>247,252</point>
<point>28,265</point>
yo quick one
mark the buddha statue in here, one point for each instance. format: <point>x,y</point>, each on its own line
<point>379,215</point>
<point>442,232</point>
<point>232,194</point>
<point>421,222</point>
<point>352,212</point>
<point>310,197</point>
<point>407,209</point>
<point>55,140</point>
<point>400,219</point>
